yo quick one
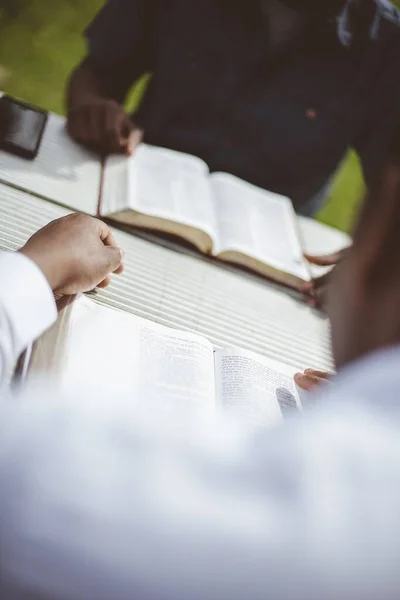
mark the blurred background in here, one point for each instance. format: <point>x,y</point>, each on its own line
<point>41,42</point>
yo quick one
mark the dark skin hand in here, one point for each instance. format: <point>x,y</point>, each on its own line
<point>75,253</point>
<point>103,126</point>
<point>96,118</point>
<point>315,292</point>
<point>311,379</point>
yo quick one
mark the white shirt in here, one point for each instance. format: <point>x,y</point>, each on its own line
<point>27,308</point>
<point>101,502</point>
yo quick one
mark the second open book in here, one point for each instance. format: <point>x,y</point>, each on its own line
<point>92,344</point>
<point>221,215</point>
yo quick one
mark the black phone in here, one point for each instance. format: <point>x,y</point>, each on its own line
<point>21,127</point>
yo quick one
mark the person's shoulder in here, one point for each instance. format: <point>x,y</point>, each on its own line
<point>387,27</point>
<point>128,10</point>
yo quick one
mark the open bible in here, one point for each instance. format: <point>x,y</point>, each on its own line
<point>218,213</point>
<point>90,343</point>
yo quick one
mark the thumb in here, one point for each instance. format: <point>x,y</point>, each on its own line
<point>323,261</point>
<point>133,141</point>
<point>114,256</point>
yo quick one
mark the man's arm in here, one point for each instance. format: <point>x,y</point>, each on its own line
<point>373,140</point>
<point>27,308</point>
<point>120,50</point>
<point>70,255</point>
<point>96,118</point>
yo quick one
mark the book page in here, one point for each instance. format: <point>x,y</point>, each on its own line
<point>257,223</point>
<point>253,387</point>
<point>127,354</point>
<point>63,171</point>
<point>162,183</point>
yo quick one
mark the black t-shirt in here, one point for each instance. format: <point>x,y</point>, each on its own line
<point>280,119</point>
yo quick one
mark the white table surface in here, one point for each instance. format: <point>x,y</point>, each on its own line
<point>191,292</point>
<point>164,283</point>
<point>62,172</point>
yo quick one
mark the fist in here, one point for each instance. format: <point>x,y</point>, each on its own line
<point>75,253</point>
<point>103,126</point>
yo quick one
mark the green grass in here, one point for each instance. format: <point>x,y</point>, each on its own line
<point>341,208</point>
<point>40,45</point>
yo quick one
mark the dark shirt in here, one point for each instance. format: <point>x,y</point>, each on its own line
<point>282,118</point>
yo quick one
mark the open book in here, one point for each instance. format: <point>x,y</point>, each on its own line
<point>93,343</point>
<point>221,215</point>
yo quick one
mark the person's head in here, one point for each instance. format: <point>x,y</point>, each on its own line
<point>364,302</point>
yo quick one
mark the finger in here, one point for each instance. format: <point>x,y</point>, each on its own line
<point>311,301</point>
<point>323,261</point>
<point>105,283</point>
<point>113,131</point>
<point>307,382</point>
<point>109,242</point>
<point>317,299</point>
<point>88,130</point>
<point>127,127</point>
<point>106,234</point>
<point>114,258</point>
<point>119,270</point>
<point>313,285</point>
<point>315,292</point>
<point>309,295</point>
<point>320,374</point>
<point>308,287</point>
<point>133,141</point>
<point>95,127</point>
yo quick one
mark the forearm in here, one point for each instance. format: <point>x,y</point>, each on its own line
<point>89,84</point>
<point>84,86</point>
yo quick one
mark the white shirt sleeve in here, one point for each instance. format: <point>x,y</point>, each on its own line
<point>27,308</point>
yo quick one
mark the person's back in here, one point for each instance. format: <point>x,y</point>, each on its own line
<point>268,93</point>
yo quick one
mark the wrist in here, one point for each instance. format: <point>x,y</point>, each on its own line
<point>50,271</point>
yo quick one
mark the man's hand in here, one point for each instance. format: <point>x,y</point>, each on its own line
<point>75,253</point>
<point>311,379</point>
<point>315,291</point>
<point>103,126</point>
